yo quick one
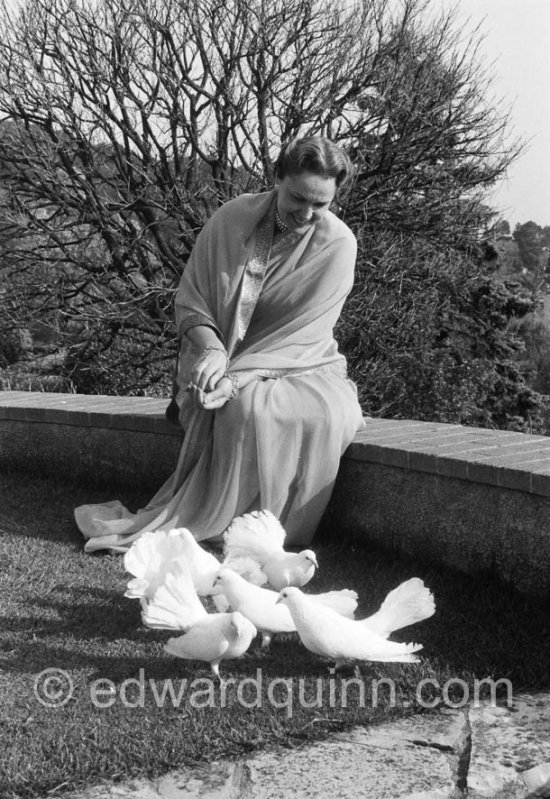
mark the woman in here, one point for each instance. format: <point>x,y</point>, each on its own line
<point>263,397</point>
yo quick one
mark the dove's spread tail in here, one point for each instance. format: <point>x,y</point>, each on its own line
<point>407,604</point>
<point>175,606</point>
<point>137,588</point>
<point>406,656</point>
<point>150,558</point>
<point>159,616</point>
<point>256,535</point>
<point>343,602</point>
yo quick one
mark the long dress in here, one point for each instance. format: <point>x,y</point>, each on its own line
<point>274,301</point>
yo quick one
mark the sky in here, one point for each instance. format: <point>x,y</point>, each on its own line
<point>517,45</point>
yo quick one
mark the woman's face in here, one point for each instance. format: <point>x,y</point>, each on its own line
<point>303,199</point>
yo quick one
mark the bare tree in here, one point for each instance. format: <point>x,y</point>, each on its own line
<point>126,122</point>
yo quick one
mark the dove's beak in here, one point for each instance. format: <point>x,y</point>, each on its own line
<point>310,555</point>
<point>279,599</point>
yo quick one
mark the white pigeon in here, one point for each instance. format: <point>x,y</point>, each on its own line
<point>328,634</point>
<point>175,604</point>
<point>410,602</point>
<point>254,547</point>
<point>260,604</point>
<point>149,559</point>
<point>158,553</point>
<point>219,636</point>
<point>210,637</point>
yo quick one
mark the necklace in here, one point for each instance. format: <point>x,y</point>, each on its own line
<point>279,224</point>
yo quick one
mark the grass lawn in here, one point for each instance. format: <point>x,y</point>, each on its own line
<point>62,609</point>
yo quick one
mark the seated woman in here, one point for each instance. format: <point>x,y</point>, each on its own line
<point>264,398</point>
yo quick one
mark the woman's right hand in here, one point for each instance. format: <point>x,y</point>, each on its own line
<point>212,400</point>
<point>221,394</point>
<point>209,368</point>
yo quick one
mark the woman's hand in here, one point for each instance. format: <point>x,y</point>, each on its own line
<point>209,368</point>
<point>212,400</point>
<point>221,394</point>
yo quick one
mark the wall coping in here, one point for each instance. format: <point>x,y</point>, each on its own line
<point>505,459</point>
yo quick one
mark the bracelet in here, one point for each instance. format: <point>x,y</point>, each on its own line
<point>233,378</point>
<point>219,349</point>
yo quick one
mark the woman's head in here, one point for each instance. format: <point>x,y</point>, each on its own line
<point>313,154</point>
<point>309,171</point>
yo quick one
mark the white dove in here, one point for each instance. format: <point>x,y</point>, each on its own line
<point>175,604</point>
<point>254,547</point>
<point>260,604</point>
<point>158,553</point>
<point>208,637</point>
<point>219,636</point>
<point>328,634</point>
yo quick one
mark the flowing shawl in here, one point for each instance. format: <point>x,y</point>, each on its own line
<point>274,304</point>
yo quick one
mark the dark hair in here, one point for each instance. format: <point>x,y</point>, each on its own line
<point>313,154</point>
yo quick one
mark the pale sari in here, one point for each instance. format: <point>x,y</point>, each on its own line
<point>274,301</point>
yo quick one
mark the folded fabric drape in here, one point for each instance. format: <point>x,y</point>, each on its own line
<point>274,302</point>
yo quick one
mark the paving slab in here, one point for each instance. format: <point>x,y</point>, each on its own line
<point>510,749</point>
<point>415,758</point>
<point>484,750</point>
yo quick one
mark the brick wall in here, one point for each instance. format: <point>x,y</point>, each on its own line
<point>91,439</point>
<point>469,498</point>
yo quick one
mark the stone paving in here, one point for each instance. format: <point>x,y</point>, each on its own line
<point>486,751</point>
